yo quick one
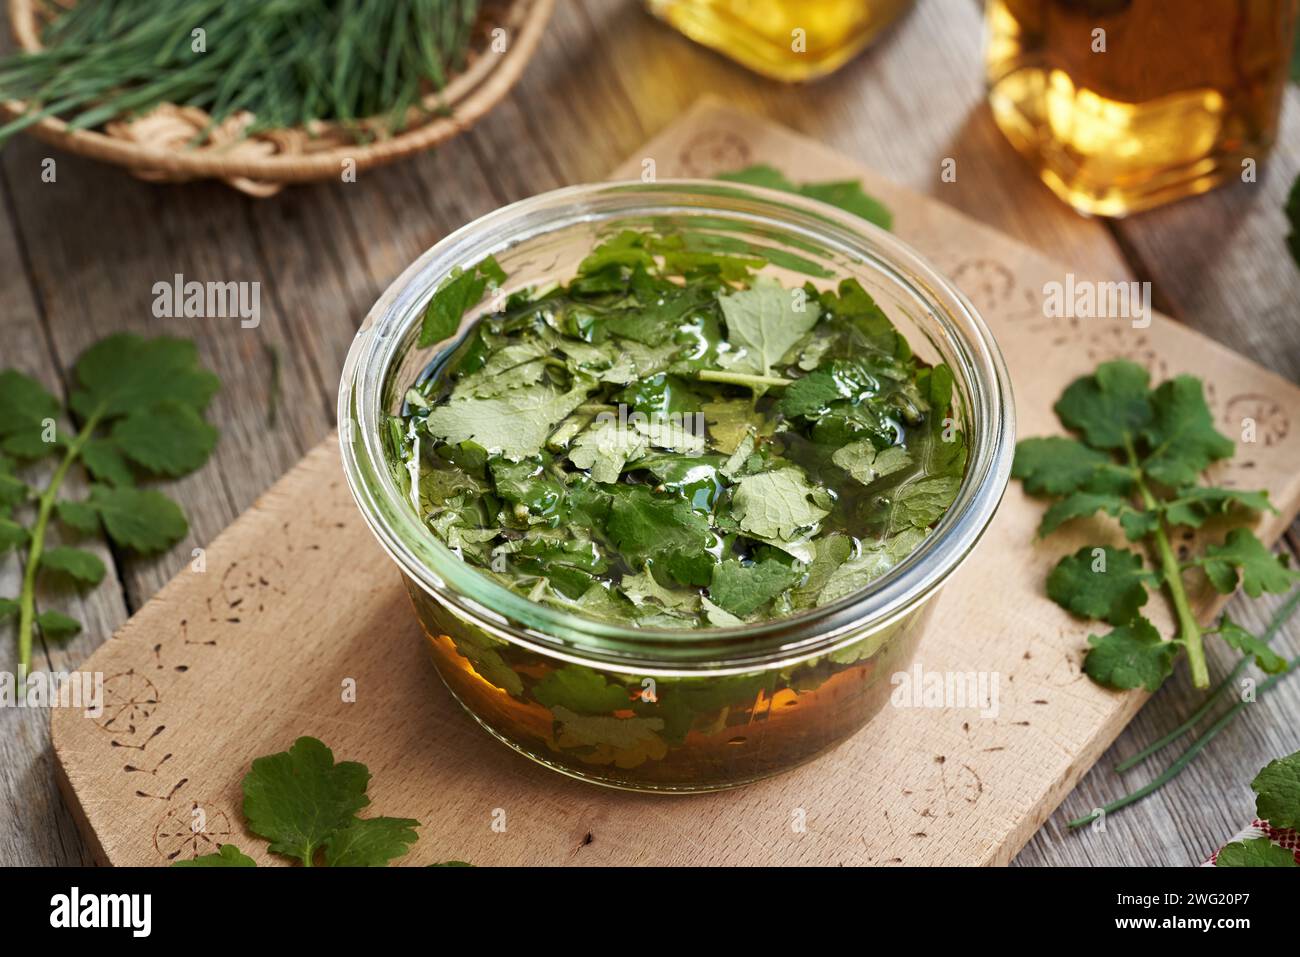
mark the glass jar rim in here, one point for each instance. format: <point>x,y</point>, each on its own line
<point>508,615</point>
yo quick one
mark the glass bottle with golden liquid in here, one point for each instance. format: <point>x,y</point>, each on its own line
<point>790,40</point>
<point>1122,105</point>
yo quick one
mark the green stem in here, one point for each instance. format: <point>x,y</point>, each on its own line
<point>44,508</point>
<point>741,378</point>
<point>1189,630</point>
<point>1283,615</point>
<point>1195,748</point>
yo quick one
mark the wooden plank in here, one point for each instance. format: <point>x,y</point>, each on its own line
<point>299,566</point>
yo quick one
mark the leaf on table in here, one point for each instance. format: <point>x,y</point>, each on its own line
<point>81,516</point>
<point>298,798</point>
<point>1181,433</point>
<point>1131,656</point>
<point>168,439</point>
<point>12,535</point>
<point>226,855</point>
<point>1101,582</point>
<point>56,625</point>
<point>25,409</point>
<point>103,460</point>
<point>1082,505</point>
<point>1193,506</point>
<point>1255,852</point>
<point>1268,660</point>
<point>78,564</point>
<point>1244,556</point>
<point>1109,407</point>
<point>370,842</point>
<point>1277,790</point>
<point>139,519</point>
<point>1057,465</point>
<point>125,372</point>
<point>847,195</point>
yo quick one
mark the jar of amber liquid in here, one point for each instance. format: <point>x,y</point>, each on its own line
<point>1122,105</point>
<point>790,40</point>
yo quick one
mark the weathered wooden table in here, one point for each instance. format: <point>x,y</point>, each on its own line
<point>80,257</point>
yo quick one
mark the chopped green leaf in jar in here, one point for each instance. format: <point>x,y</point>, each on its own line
<point>672,440</point>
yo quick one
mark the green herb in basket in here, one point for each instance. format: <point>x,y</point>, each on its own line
<point>288,62</point>
<point>672,440</point>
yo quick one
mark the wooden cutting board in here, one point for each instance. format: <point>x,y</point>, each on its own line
<point>241,656</point>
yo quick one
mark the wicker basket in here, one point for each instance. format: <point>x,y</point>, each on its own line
<point>158,146</point>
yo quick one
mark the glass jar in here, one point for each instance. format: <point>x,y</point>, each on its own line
<point>664,710</point>
<point>790,40</point>
<point>1121,105</point>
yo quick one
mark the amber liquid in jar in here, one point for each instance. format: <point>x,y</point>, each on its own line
<point>790,40</point>
<point>1122,105</point>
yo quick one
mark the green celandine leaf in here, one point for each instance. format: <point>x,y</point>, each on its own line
<point>304,803</point>
<point>1057,466</point>
<point>1277,792</point>
<point>1194,505</point>
<point>125,373</point>
<point>1103,582</point>
<point>370,842</point>
<point>8,608</point>
<point>516,424</point>
<point>169,439</point>
<point>1255,852</point>
<point>140,519</point>
<point>1181,433</point>
<point>227,855</point>
<point>875,559</point>
<point>457,294</point>
<point>848,195</point>
<point>1110,407</point>
<point>80,565</point>
<point>26,408</point>
<point>137,405</point>
<point>12,535</point>
<point>1243,556</point>
<point>646,528</point>
<point>669,441</point>
<point>765,321</point>
<point>56,625</point>
<point>81,516</point>
<point>582,691</point>
<point>1244,641</point>
<point>1137,458</point>
<point>867,464</point>
<point>1131,656</point>
<point>777,504</point>
<point>744,589</point>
